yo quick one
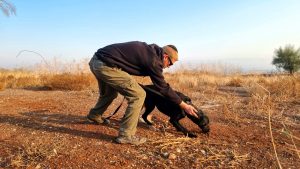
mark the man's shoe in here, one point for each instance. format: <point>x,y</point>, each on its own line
<point>130,140</point>
<point>95,118</point>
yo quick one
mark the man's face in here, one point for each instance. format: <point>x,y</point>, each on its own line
<point>167,61</point>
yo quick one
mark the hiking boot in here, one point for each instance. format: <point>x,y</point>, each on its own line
<point>130,140</point>
<point>95,118</point>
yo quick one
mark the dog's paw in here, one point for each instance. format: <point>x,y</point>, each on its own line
<point>147,120</point>
<point>205,129</point>
<point>191,135</point>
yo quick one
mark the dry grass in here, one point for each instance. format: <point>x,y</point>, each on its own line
<point>235,82</point>
<point>206,154</point>
<point>54,75</point>
<point>280,86</point>
<point>30,80</point>
<point>67,81</point>
<point>32,153</point>
<point>60,75</point>
<point>241,98</point>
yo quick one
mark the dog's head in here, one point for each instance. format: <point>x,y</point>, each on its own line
<point>203,122</point>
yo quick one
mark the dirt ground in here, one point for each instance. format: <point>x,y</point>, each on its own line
<point>48,129</point>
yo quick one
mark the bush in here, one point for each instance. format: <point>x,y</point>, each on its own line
<point>68,81</point>
<point>287,58</point>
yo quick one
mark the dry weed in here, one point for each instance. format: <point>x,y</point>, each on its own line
<point>30,154</point>
<point>2,83</point>
<point>206,154</point>
<point>67,81</point>
<point>235,82</point>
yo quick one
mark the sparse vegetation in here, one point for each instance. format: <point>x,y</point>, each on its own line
<point>252,116</point>
<point>30,153</point>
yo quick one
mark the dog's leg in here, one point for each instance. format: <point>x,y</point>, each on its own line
<point>179,127</point>
<point>149,107</point>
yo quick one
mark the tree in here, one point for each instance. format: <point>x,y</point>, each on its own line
<point>287,58</point>
<point>7,8</point>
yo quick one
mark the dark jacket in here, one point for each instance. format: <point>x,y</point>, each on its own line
<point>141,59</point>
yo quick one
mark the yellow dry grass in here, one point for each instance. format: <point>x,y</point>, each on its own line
<point>79,78</point>
<point>265,95</point>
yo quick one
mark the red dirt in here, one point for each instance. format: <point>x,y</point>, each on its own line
<point>48,129</point>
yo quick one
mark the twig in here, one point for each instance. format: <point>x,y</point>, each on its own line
<point>295,137</point>
<point>171,140</point>
<point>270,125</point>
<point>297,151</point>
<point>34,53</point>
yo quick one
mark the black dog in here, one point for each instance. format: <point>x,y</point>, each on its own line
<point>155,99</point>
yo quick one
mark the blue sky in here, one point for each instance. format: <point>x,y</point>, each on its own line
<point>243,33</point>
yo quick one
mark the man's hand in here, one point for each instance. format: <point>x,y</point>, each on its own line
<point>188,109</point>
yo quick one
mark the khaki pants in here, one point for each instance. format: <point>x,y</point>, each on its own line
<point>112,81</point>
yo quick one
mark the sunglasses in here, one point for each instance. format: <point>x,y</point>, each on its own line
<point>170,61</point>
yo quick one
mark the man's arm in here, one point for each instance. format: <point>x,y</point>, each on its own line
<point>157,78</point>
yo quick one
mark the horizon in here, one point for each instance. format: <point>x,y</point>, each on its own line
<point>239,33</point>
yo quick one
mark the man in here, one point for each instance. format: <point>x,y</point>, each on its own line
<point>113,66</point>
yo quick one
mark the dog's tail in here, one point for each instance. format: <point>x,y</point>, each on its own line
<point>117,109</point>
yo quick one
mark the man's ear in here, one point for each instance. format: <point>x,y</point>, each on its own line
<point>165,55</point>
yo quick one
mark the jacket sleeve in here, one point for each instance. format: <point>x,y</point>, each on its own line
<point>156,74</point>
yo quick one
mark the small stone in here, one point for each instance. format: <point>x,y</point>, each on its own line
<point>203,152</point>
<point>165,155</point>
<point>172,156</point>
<point>44,118</point>
<point>38,166</point>
<point>98,143</point>
<point>178,150</point>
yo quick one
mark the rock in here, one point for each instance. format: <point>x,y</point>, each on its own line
<point>203,152</point>
<point>55,152</point>
<point>172,156</point>
<point>44,118</point>
<point>38,166</point>
<point>165,155</point>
